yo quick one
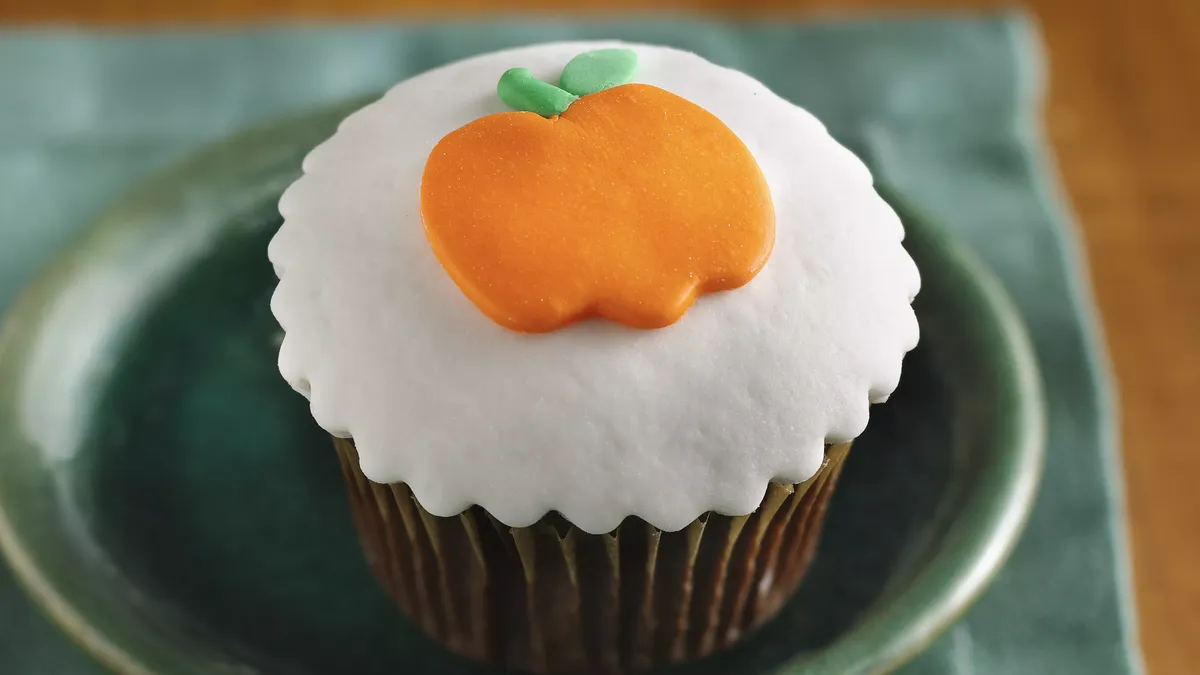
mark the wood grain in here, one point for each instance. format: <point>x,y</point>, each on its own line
<point>1124,117</point>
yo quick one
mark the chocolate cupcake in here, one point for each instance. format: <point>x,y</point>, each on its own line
<point>592,326</point>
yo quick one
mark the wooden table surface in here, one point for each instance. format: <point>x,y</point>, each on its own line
<point>1124,117</point>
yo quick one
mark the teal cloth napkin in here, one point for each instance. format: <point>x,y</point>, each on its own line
<point>946,108</point>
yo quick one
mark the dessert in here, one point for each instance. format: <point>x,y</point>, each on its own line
<point>592,325</point>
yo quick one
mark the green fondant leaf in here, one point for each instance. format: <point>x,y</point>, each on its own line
<point>521,90</point>
<point>598,70</point>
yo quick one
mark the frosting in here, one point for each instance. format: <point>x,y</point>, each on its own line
<point>626,207</point>
<point>597,70</point>
<point>597,421</point>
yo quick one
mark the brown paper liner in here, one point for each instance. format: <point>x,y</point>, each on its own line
<point>552,600</point>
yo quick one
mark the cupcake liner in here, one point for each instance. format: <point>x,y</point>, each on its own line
<point>550,599</point>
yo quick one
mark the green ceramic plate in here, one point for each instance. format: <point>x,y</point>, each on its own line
<point>168,501</point>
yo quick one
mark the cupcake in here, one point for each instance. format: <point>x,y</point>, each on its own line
<point>592,326</point>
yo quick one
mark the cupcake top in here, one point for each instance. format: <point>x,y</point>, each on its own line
<point>649,290</point>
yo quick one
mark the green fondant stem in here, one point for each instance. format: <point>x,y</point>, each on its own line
<point>521,90</point>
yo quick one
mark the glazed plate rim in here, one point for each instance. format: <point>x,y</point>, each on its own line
<point>883,641</point>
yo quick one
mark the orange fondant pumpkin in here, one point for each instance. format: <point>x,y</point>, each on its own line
<point>627,206</point>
